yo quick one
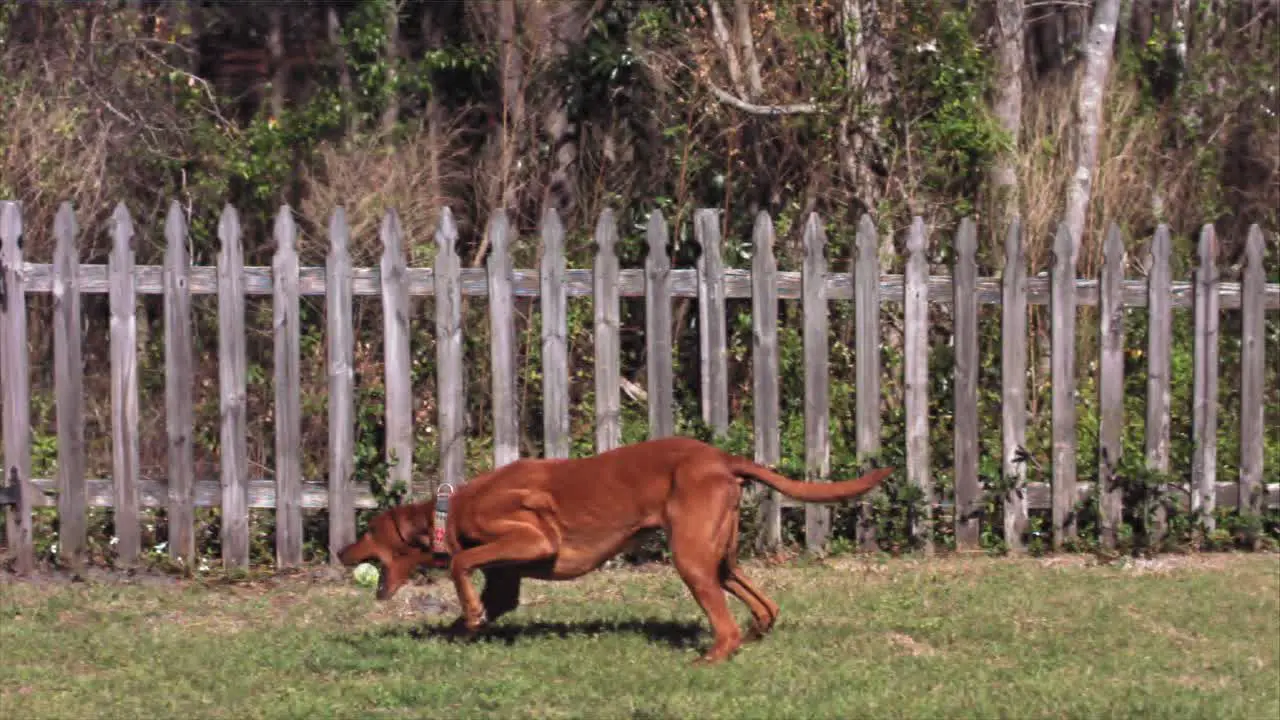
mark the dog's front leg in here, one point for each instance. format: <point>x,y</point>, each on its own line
<point>522,543</point>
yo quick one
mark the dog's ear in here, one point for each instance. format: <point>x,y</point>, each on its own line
<point>418,522</point>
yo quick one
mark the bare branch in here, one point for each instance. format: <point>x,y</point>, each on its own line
<point>746,45</point>
<point>721,33</point>
<point>728,98</point>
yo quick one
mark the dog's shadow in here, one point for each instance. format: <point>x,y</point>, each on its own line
<point>679,635</point>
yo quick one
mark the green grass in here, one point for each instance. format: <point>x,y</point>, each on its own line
<point>1184,637</point>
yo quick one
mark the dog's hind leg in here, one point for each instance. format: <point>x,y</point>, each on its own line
<point>699,538</point>
<point>764,612</point>
<point>501,592</point>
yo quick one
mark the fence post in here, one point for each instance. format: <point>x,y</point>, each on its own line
<point>396,358</point>
<point>1252,343</point>
<point>1013,369</point>
<point>232,362</point>
<point>605,300</point>
<point>288,413</point>
<point>502,343</point>
<point>712,334</point>
<point>915,301</point>
<point>555,339</point>
<point>1204,416</point>
<point>764,371</point>
<point>1159,343</point>
<point>968,490</point>
<point>342,521</point>
<point>179,378</point>
<point>866,274</point>
<point>16,376</point>
<point>817,403</point>
<point>1111,386</point>
<point>124,389</point>
<point>1063,364</point>
<point>449,370</point>
<point>657,333</point>
<point>68,382</point>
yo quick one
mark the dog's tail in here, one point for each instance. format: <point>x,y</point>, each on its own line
<point>808,491</point>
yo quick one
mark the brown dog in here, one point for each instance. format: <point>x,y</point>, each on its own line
<point>560,519</point>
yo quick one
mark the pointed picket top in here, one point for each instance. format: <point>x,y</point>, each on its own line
<point>1063,247</point>
<point>552,233</point>
<point>1159,253</point>
<point>916,236</point>
<point>391,236</point>
<point>65,230</point>
<point>967,239</point>
<point>657,234</point>
<point>122,229</point>
<point>1113,247</point>
<point>10,222</point>
<point>815,236</point>
<point>1253,249</point>
<point>229,227</point>
<point>1013,241</point>
<point>338,232</point>
<point>763,238</point>
<point>1207,250</point>
<point>606,233</point>
<point>868,244</point>
<point>285,231</point>
<point>175,226</point>
<point>447,232</point>
<point>498,232</point>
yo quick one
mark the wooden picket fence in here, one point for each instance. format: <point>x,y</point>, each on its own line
<point>658,282</point>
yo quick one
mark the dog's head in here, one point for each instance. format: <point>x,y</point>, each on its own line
<point>399,539</point>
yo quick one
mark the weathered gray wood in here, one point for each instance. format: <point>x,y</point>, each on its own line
<point>68,382</point>
<point>179,379</point>
<point>916,378</point>
<point>474,282</point>
<point>712,331</point>
<point>817,403</point>
<point>867,342</point>
<point>288,409</point>
<point>124,389</point>
<point>1159,343</point>
<point>152,493</point>
<point>232,365</point>
<point>608,346</point>
<point>1013,369</point>
<point>555,339</point>
<point>657,329</point>
<point>449,369</point>
<point>1204,410</point>
<point>397,375</point>
<point>965,308</point>
<point>764,373</point>
<point>342,428</point>
<point>1252,385</point>
<point>1111,388</point>
<point>15,378</point>
<point>1063,348</point>
<point>502,344</point>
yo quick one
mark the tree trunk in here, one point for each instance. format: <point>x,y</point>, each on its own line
<point>339,60</point>
<point>391,113</point>
<point>1008,106</point>
<point>275,59</point>
<point>1089,116</point>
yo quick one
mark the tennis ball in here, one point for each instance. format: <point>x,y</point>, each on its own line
<point>366,575</point>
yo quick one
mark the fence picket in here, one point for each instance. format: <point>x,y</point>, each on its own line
<point>968,490</point>
<point>712,333</point>
<point>288,410</point>
<point>1111,387</point>
<point>1253,343</point>
<point>449,370</point>
<point>608,346</point>
<point>764,372</point>
<point>1159,344</point>
<point>1063,344</point>
<point>68,382</point>
<point>502,343</point>
<point>232,364</point>
<point>916,379</point>
<point>1013,370</point>
<point>555,339</point>
<point>866,291</point>
<point>817,403</point>
<point>341,337</point>
<point>124,389</point>
<point>396,361</point>
<point>1204,415</point>
<point>657,332</point>
<point>15,375</point>
<point>179,379</point>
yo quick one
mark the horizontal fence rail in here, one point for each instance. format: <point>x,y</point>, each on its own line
<point>285,281</point>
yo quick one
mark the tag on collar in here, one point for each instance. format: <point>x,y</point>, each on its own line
<point>442,515</point>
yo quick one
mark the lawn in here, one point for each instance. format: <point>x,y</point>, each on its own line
<point>1066,637</point>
